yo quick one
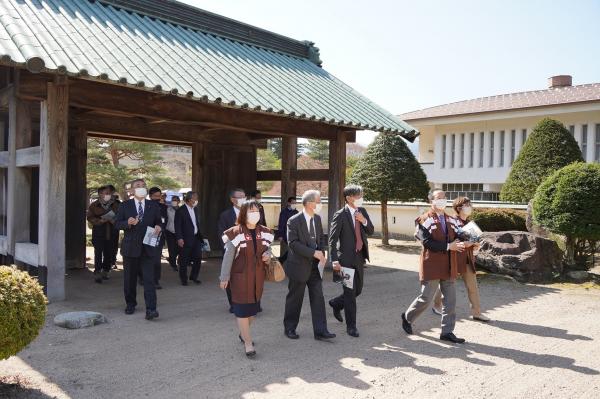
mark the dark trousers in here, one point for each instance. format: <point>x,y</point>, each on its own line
<point>173,248</point>
<point>347,300</point>
<point>103,255</point>
<point>157,267</point>
<point>131,267</point>
<point>115,241</point>
<point>190,254</point>
<point>295,297</point>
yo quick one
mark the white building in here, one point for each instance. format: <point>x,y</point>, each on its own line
<point>468,147</point>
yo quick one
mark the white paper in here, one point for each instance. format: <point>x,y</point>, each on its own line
<point>150,238</point>
<point>348,277</point>
<point>110,215</point>
<point>321,267</point>
<point>206,246</point>
<point>472,230</point>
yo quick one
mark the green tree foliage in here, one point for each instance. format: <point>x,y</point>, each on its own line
<point>22,310</point>
<point>118,162</point>
<point>351,161</point>
<point>549,147</point>
<point>266,160</point>
<point>496,219</point>
<point>388,171</point>
<point>318,149</point>
<point>276,145</point>
<point>568,203</point>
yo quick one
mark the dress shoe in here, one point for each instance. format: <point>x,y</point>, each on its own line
<point>291,334</point>
<point>452,338</point>
<point>353,332</point>
<point>324,335</point>
<point>158,286</point>
<point>184,283</point>
<point>406,325</point>
<point>196,281</point>
<point>436,311</point>
<point>151,314</point>
<point>97,278</point>
<point>482,318</point>
<point>130,310</point>
<point>337,313</point>
<point>105,275</point>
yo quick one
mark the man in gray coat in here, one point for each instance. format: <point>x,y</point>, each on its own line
<point>307,246</point>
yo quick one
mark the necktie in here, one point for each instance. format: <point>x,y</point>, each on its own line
<point>312,232</point>
<point>140,211</point>
<point>359,241</point>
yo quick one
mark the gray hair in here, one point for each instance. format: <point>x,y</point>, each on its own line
<point>188,196</point>
<point>236,190</point>
<point>432,193</point>
<point>310,196</point>
<point>352,189</point>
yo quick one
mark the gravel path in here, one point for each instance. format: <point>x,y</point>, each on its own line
<point>543,342</point>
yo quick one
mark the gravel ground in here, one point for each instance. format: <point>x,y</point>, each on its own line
<point>543,342</point>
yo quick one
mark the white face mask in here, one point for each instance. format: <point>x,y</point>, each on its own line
<point>467,210</point>
<point>141,192</point>
<point>106,198</point>
<point>358,202</point>
<point>175,203</point>
<point>240,202</point>
<point>194,204</point>
<point>318,208</point>
<point>439,204</point>
<point>253,217</point>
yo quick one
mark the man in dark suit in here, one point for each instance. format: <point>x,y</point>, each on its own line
<point>306,251</point>
<point>156,195</point>
<point>257,196</point>
<point>227,220</point>
<point>134,217</point>
<point>348,247</point>
<point>189,238</point>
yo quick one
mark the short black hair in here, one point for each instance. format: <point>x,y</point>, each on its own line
<point>102,188</point>
<point>291,198</point>
<point>188,196</point>
<point>236,190</point>
<point>254,193</point>
<point>175,198</point>
<point>351,190</point>
<point>111,188</point>
<point>154,190</point>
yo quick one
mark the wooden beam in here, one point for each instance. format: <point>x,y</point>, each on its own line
<point>295,175</point>
<point>28,157</point>
<point>289,164</point>
<point>53,173</point>
<point>76,197</point>
<point>197,167</point>
<point>337,174</point>
<point>5,95</point>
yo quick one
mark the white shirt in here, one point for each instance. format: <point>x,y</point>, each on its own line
<point>307,217</point>
<point>352,212</point>
<point>237,212</point>
<point>193,216</point>
<point>137,204</point>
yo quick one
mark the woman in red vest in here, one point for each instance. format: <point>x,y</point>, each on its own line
<point>247,249</point>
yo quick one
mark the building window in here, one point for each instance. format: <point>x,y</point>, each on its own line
<point>443,150</point>
<point>502,136</point>
<point>523,137</point>
<point>471,149</point>
<point>462,150</point>
<point>572,130</point>
<point>597,151</point>
<point>513,139</point>
<point>452,150</point>
<point>481,148</point>
<point>584,142</point>
<point>491,164</point>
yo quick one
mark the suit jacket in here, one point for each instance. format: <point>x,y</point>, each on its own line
<point>300,260</point>
<point>132,243</point>
<point>184,227</point>
<point>342,239</point>
<point>226,221</point>
<point>284,216</point>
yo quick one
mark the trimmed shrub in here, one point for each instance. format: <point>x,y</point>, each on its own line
<point>549,147</point>
<point>22,310</point>
<point>568,203</point>
<point>498,219</point>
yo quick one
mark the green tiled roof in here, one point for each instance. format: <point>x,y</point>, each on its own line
<point>151,51</point>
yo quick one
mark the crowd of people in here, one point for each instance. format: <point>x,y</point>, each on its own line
<point>148,223</point>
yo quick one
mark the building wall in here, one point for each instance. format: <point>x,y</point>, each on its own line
<point>487,167</point>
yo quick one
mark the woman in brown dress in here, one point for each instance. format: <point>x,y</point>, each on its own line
<point>247,249</point>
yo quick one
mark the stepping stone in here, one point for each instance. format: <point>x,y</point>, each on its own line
<point>73,320</point>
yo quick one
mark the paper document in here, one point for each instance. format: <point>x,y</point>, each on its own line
<point>348,277</point>
<point>472,231</point>
<point>150,238</point>
<point>321,267</point>
<point>110,215</point>
<point>206,246</point>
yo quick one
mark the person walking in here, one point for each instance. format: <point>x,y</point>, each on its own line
<point>189,238</point>
<point>170,232</point>
<point>306,254</point>
<point>437,234</point>
<point>101,214</point>
<point>156,195</point>
<point>281,234</point>
<point>247,249</point>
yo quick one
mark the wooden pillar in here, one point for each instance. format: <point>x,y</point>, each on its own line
<point>197,167</point>
<point>19,178</point>
<point>53,177</point>
<point>337,174</point>
<point>289,164</point>
<point>76,197</point>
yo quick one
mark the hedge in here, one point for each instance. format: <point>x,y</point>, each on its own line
<point>497,219</point>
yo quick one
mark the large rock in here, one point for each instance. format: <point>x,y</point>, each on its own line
<point>522,255</point>
<point>75,320</point>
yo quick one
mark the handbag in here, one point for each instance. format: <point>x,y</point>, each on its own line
<point>274,271</point>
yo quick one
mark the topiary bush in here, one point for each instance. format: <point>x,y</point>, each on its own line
<point>497,219</point>
<point>22,310</point>
<point>568,203</point>
<point>549,147</point>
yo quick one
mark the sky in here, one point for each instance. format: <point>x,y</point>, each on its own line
<point>408,55</point>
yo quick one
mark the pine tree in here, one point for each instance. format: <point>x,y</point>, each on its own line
<point>388,171</point>
<point>318,149</point>
<point>549,147</point>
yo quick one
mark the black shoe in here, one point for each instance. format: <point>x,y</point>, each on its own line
<point>105,276</point>
<point>452,338</point>
<point>406,325</point>
<point>151,314</point>
<point>251,354</point>
<point>196,281</point>
<point>324,335</point>
<point>158,286</point>
<point>184,283</point>
<point>130,310</point>
<point>337,313</point>
<point>291,334</point>
<point>352,331</point>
